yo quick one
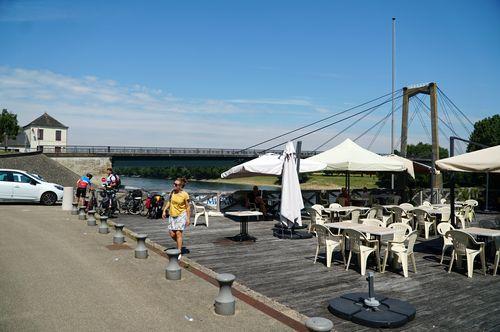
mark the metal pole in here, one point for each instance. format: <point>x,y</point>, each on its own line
<point>487,190</point>
<point>393,80</point>
<point>452,185</point>
<point>297,153</point>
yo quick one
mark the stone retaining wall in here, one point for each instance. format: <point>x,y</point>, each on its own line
<point>82,165</point>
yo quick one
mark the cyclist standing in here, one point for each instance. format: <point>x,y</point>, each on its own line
<point>81,188</point>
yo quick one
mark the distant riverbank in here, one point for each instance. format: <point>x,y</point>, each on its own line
<point>315,182</point>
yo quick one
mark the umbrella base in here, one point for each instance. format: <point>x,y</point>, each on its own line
<point>290,234</point>
<point>242,237</point>
<point>388,313</point>
<point>280,225</point>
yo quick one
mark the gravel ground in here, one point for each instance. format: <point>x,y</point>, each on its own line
<point>42,165</point>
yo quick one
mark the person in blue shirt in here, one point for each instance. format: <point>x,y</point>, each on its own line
<point>82,185</point>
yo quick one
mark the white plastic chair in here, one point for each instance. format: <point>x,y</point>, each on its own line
<point>371,214</point>
<point>465,245</point>
<point>362,247</point>
<point>330,242</point>
<point>199,210</point>
<point>334,205</point>
<point>422,219</point>
<point>402,250</point>
<point>316,218</point>
<point>400,230</point>
<point>373,222</point>
<point>406,206</point>
<point>443,201</point>
<point>398,214</point>
<point>352,216</point>
<point>442,229</point>
<point>464,216</point>
<point>471,202</point>
<point>426,203</point>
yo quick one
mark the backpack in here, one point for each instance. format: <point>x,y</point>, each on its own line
<point>118,181</point>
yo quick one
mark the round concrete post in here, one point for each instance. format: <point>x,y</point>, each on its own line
<point>141,251</point>
<point>118,238</point>
<point>103,225</point>
<point>81,213</point>
<point>319,324</point>
<point>67,198</point>
<point>225,303</point>
<point>173,270</point>
<point>74,209</point>
<point>91,218</point>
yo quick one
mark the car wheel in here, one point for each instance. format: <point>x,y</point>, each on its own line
<point>48,198</point>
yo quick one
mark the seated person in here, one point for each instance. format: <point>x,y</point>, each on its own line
<point>344,199</point>
<point>255,198</point>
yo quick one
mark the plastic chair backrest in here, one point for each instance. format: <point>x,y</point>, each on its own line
<point>372,213</point>
<point>334,205</point>
<point>471,202</point>
<point>380,211</point>
<point>355,215</point>
<point>410,241</point>
<point>419,215</point>
<point>401,230</point>
<point>356,239</point>
<point>406,206</point>
<point>318,208</point>
<point>316,217</point>
<point>426,203</point>
<point>444,228</point>
<point>373,222</point>
<point>445,214</point>
<point>321,233</point>
<point>397,214</point>
<point>443,201</point>
<point>461,241</point>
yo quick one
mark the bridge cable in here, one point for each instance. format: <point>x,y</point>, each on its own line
<point>374,138</point>
<point>345,129</point>
<point>457,116</point>
<point>331,124</point>
<point>318,121</point>
<point>458,109</point>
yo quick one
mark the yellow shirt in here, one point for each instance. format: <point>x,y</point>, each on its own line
<point>178,203</point>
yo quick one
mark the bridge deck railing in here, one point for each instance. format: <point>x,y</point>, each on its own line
<point>125,150</point>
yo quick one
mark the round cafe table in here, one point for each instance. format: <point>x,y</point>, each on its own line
<point>243,217</point>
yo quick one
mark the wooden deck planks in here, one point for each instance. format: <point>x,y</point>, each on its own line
<point>284,270</point>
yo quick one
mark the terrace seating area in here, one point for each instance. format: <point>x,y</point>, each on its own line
<point>305,274</point>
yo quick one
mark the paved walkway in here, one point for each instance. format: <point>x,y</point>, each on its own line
<point>58,274</point>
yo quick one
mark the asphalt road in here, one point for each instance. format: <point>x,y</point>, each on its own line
<point>56,273</point>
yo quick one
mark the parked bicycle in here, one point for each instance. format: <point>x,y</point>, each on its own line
<point>132,202</point>
<point>108,205</point>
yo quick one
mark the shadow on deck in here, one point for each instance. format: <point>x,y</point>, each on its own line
<point>284,271</point>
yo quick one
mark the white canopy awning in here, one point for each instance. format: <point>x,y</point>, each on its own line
<point>485,160</point>
<point>348,156</point>
<point>269,164</point>
<point>407,162</point>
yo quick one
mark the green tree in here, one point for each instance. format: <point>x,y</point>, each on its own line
<point>486,131</point>
<point>9,127</point>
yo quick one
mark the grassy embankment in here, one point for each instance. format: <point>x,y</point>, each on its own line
<point>315,181</point>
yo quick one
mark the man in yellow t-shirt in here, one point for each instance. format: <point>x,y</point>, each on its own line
<point>179,212</point>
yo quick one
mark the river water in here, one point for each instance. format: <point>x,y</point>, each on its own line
<point>163,185</point>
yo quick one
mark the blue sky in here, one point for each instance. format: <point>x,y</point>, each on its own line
<point>232,73</point>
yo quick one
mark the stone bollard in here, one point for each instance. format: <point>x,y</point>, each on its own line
<point>173,270</point>
<point>225,303</point>
<point>81,213</point>
<point>118,238</point>
<point>74,209</point>
<point>141,251</point>
<point>91,218</point>
<point>103,226</point>
<point>319,324</point>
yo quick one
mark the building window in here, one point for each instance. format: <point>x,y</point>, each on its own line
<point>58,135</point>
<point>40,134</point>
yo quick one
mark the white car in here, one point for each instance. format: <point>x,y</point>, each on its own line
<point>20,186</point>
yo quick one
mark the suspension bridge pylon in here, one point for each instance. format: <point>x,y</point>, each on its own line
<point>431,90</point>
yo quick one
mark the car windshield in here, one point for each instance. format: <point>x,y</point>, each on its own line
<point>38,177</point>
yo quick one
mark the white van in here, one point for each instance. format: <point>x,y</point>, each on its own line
<point>21,186</point>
